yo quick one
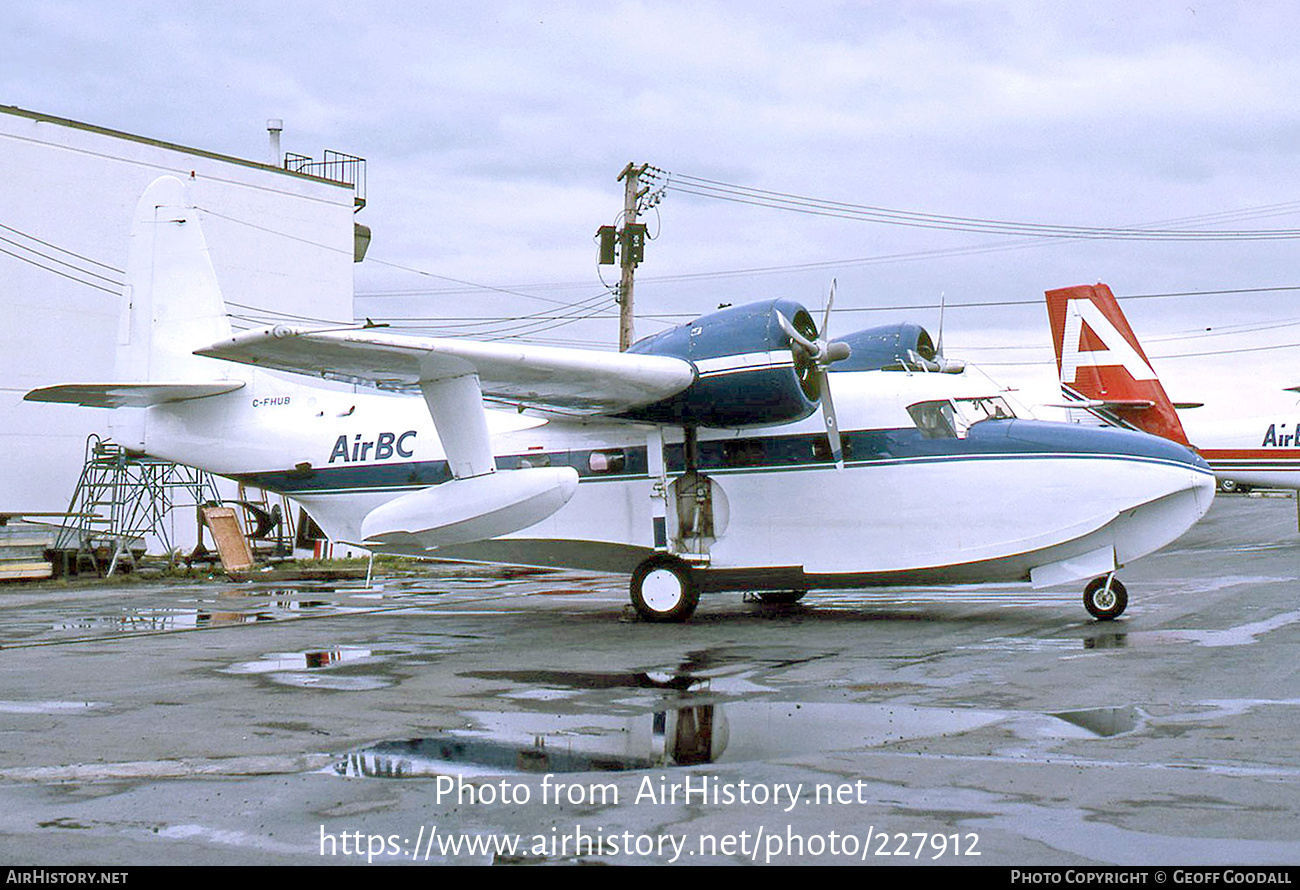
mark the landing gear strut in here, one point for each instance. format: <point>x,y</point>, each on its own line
<point>1105,598</point>
<point>663,589</point>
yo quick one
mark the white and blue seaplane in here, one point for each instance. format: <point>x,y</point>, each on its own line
<point>697,461</point>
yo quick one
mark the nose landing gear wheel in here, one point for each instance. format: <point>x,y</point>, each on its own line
<point>1105,603</point>
<point>663,590</point>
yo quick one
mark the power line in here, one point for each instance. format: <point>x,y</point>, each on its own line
<point>1024,301</point>
<point>473,285</point>
<point>85,259</point>
<point>115,293</point>
<point>275,315</point>
<point>722,191</point>
<point>65,268</point>
<point>1164,357</point>
<point>1223,331</point>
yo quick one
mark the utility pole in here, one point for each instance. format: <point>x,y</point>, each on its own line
<point>632,238</point>
<point>628,241</point>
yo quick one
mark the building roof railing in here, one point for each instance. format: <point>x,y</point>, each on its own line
<point>335,167</point>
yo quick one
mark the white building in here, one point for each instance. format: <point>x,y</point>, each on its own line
<point>282,244</point>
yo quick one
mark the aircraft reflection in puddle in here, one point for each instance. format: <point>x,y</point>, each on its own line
<point>682,736</point>
<point>296,661</point>
<point>685,724</point>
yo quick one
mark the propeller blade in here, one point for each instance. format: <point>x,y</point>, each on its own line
<point>808,346</point>
<point>826,316</point>
<point>829,351</point>
<point>823,352</point>
<point>832,424</point>
<point>938,350</point>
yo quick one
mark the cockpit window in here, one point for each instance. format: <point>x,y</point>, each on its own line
<point>972,411</point>
<point>934,419</point>
<point>951,419</point>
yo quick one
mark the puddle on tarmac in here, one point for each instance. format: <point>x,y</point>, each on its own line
<point>682,733</point>
<point>720,671</point>
<point>318,668</point>
<point>311,669</point>
<point>47,707</point>
<point>1241,635</point>
<point>580,680</point>
<point>1024,644</point>
<point>297,661</point>
<point>156,620</point>
<point>963,596</point>
<point>526,743</point>
<point>707,709</point>
<point>1104,722</point>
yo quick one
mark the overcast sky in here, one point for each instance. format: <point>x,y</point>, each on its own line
<point>494,133</point>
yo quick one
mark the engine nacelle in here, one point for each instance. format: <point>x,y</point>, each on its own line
<point>888,347</point>
<point>747,374</point>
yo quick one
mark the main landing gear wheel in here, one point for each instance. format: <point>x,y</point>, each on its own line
<point>663,590</point>
<point>1105,603</point>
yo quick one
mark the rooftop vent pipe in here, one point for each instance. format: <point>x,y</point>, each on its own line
<point>273,127</point>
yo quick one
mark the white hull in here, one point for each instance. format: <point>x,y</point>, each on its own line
<point>965,514</point>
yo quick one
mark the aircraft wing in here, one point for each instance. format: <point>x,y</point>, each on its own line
<point>570,381</point>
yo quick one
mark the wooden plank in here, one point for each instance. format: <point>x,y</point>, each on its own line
<point>229,537</point>
<point>25,571</point>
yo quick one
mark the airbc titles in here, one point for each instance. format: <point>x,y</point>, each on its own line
<point>1278,437</point>
<point>383,447</point>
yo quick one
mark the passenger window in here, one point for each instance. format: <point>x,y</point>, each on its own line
<point>607,461</point>
<point>821,448</point>
<point>743,452</point>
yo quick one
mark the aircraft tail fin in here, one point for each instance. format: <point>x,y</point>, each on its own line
<point>172,304</point>
<point>1102,365</point>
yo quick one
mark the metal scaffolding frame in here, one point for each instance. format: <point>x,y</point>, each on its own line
<point>123,496</point>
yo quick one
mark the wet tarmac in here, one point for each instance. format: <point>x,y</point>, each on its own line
<point>480,716</point>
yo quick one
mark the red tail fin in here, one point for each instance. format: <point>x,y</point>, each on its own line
<point>1099,358</point>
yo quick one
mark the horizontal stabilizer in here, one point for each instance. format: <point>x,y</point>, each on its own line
<point>1135,404</point>
<point>129,395</point>
<point>1078,401</point>
<point>581,381</point>
<point>1074,400</point>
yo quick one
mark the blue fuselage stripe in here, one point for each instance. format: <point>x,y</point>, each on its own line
<point>990,440</point>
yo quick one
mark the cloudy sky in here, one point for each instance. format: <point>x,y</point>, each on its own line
<point>494,133</point>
